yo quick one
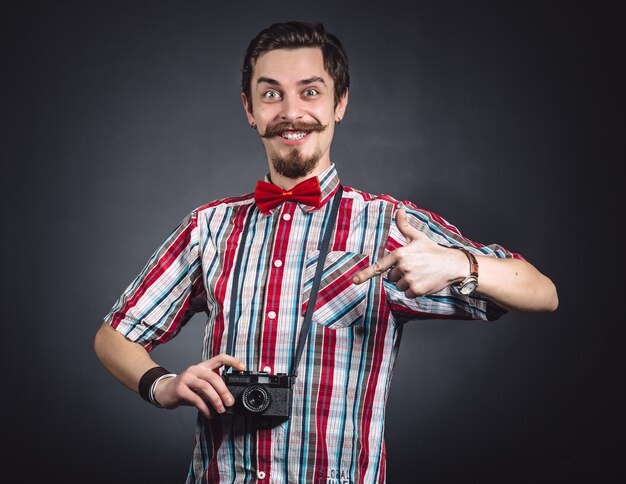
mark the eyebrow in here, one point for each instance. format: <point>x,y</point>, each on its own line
<point>311,80</point>
<point>303,82</point>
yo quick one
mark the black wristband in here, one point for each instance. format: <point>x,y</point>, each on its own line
<point>147,379</point>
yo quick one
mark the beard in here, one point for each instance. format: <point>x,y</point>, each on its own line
<point>294,165</point>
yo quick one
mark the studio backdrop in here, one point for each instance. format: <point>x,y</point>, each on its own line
<point>122,117</point>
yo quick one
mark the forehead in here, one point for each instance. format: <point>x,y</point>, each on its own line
<point>291,65</point>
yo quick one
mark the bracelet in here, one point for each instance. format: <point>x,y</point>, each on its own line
<point>152,391</point>
<point>147,380</point>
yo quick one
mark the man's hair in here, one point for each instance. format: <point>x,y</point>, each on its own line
<point>294,35</point>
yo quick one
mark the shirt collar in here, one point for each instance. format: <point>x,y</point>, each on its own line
<point>329,183</point>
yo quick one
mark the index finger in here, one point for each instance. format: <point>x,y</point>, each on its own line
<point>381,265</point>
<point>224,360</point>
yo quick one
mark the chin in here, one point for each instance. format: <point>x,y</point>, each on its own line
<point>294,164</point>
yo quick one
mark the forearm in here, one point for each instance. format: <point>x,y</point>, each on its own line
<point>125,360</point>
<point>425,267</point>
<point>516,285</point>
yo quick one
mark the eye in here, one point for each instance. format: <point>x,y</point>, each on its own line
<point>311,92</point>
<point>271,95</point>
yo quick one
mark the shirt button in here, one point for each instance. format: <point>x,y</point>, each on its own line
<point>278,263</point>
<point>267,369</point>
<point>286,217</point>
<point>260,475</point>
<point>271,315</point>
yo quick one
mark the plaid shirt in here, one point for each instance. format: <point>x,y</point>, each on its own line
<point>335,433</point>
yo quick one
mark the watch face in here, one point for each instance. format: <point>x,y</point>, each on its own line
<point>469,287</point>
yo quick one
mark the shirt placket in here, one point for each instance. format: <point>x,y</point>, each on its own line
<point>267,355</point>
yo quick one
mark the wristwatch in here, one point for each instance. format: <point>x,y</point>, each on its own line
<point>470,283</point>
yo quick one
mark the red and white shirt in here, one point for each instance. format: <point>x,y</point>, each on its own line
<point>336,430</point>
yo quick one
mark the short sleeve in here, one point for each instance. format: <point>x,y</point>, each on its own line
<point>448,303</point>
<point>166,293</point>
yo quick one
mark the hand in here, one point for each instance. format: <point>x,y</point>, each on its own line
<point>198,386</point>
<point>420,267</point>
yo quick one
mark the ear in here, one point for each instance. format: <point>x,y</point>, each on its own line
<point>248,107</point>
<point>340,109</point>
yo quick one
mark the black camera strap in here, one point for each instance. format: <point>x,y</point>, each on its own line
<point>319,269</point>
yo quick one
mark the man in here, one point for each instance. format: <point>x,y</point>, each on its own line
<point>250,263</point>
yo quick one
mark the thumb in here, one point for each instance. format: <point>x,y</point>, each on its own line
<point>406,229</point>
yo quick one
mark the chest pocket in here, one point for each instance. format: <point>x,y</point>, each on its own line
<point>340,303</point>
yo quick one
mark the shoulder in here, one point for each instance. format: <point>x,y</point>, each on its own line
<point>360,196</point>
<point>224,203</point>
<point>419,217</point>
<point>413,210</point>
<point>215,210</point>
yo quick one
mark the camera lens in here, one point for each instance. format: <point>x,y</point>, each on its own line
<point>255,398</point>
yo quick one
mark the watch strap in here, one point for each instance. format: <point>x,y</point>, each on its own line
<point>473,266</point>
<point>472,261</point>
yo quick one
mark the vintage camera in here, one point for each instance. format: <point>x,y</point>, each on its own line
<point>260,393</point>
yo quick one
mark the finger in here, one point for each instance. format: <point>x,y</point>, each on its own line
<point>208,394</point>
<point>224,359</point>
<point>195,400</point>
<point>402,285</point>
<point>410,232</point>
<point>377,268</point>
<point>417,290</point>
<point>395,274</point>
<point>219,386</point>
<point>216,383</point>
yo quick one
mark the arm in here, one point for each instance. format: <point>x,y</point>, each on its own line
<point>196,386</point>
<point>168,285</point>
<point>425,267</point>
<point>514,284</point>
<point>125,360</point>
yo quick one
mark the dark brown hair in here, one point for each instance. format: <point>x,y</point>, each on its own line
<point>293,35</point>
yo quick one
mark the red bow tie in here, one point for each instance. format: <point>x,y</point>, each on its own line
<point>268,196</point>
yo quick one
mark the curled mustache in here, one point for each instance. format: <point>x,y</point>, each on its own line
<point>278,128</point>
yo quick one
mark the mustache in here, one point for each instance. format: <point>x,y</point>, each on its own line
<point>277,129</point>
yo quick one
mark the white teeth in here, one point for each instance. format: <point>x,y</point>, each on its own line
<point>293,136</point>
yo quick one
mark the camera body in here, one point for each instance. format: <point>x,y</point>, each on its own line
<point>260,393</point>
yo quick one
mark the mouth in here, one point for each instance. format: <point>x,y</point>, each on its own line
<point>293,135</point>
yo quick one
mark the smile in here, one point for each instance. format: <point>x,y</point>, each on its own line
<point>294,136</point>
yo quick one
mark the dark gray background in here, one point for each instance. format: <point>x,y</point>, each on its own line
<point>504,118</point>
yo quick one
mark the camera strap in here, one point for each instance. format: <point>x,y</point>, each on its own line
<point>319,269</point>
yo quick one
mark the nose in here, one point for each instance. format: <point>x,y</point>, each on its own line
<point>291,109</point>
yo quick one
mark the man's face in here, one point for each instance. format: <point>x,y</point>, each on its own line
<point>293,108</point>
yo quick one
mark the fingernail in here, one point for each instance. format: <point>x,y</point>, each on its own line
<point>229,401</point>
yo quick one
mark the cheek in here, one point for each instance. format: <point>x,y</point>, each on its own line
<point>329,132</point>
<point>262,112</point>
<point>327,113</point>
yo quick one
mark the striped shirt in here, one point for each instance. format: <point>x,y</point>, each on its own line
<point>336,429</point>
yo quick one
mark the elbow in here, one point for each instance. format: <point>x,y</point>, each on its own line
<point>552,300</point>
<point>543,298</point>
<point>99,341</point>
<point>555,301</point>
